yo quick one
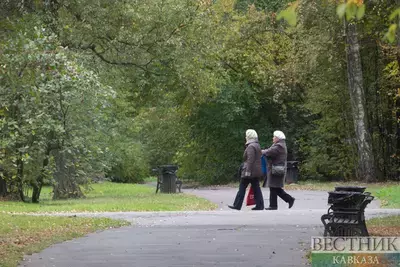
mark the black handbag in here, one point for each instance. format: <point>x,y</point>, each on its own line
<point>278,170</point>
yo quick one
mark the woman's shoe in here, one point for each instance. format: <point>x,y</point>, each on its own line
<point>291,202</point>
<point>256,208</point>
<point>270,208</point>
<point>232,207</point>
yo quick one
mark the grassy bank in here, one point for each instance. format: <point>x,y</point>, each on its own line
<point>388,193</point>
<point>21,234</point>
<point>113,197</point>
<point>389,196</point>
<point>385,226</point>
<point>329,186</point>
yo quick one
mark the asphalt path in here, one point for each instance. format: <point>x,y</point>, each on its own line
<point>223,237</point>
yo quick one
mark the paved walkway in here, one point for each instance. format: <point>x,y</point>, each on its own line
<point>206,238</point>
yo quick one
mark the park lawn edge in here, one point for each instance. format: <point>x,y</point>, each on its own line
<point>22,235</point>
<point>112,197</point>
<point>384,226</point>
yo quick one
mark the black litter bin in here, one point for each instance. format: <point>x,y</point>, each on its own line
<point>168,178</point>
<point>345,199</point>
<point>360,189</point>
<point>345,215</point>
<point>348,197</point>
<point>292,173</point>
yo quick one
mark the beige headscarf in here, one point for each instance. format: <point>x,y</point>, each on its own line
<point>251,135</point>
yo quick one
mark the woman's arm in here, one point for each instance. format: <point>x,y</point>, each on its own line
<point>271,152</point>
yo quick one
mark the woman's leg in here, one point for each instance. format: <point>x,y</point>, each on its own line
<point>237,204</point>
<point>283,195</point>
<point>255,183</point>
<point>273,198</point>
<point>286,197</point>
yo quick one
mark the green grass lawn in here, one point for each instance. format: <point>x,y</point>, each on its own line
<point>22,234</point>
<point>112,197</point>
<point>151,179</point>
<point>385,221</point>
<point>389,196</point>
<point>384,226</point>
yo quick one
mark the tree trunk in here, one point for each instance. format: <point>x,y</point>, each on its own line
<point>64,175</point>
<point>378,121</point>
<point>37,185</point>
<point>397,158</point>
<point>3,184</point>
<point>357,97</point>
<point>397,107</point>
<point>3,187</point>
<point>20,176</point>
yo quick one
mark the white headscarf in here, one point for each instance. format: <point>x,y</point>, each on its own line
<point>251,135</point>
<point>280,135</point>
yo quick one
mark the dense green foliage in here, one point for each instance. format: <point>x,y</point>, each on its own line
<point>119,87</point>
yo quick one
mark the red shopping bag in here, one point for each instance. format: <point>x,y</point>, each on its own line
<point>250,197</point>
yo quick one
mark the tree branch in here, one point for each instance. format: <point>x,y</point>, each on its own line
<point>100,55</point>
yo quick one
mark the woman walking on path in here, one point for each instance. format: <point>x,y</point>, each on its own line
<point>251,172</point>
<point>276,171</point>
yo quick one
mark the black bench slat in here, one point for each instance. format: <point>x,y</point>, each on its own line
<point>344,221</point>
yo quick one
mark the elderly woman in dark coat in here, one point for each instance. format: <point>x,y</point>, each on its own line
<point>251,172</point>
<point>276,171</point>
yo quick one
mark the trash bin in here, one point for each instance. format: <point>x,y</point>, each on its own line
<point>347,197</point>
<point>168,178</point>
<point>351,188</point>
<point>345,215</point>
<point>292,173</point>
<point>345,200</point>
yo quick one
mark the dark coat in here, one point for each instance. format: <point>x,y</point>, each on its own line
<point>252,160</point>
<point>276,155</point>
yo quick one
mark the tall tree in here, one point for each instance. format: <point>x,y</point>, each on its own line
<point>50,105</point>
<point>397,97</point>
<point>357,96</point>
